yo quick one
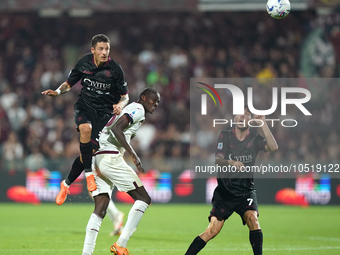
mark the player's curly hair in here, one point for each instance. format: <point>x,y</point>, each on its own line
<point>99,38</point>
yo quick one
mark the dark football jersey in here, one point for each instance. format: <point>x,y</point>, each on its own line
<point>238,183</point>
<point>102,86</point>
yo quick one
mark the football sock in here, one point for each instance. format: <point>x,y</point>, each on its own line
<point>112,212</point>
<point>77,168</point>
<point>134,217</point>
<point>86,154</point>
<point>256,241</point>
<point>92,230</point>
<point>197,245</point>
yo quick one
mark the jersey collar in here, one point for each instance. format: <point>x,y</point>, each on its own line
<point>234,134</point>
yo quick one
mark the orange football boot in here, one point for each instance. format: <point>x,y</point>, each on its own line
<point>91,183</point>
<point>117,250</point>
<point>62,195</point>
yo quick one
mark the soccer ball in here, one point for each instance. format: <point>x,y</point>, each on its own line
<point>278,9</point>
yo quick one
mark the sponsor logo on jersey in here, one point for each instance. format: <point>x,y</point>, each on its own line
<point>220,146</point>
<point>242,159</point>
<point>97,85</point>
<point>87,72</point>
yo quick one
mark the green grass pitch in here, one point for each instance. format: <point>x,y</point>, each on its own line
<point>168,229</point>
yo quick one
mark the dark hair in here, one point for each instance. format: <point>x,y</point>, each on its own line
<point>246,107</point>
<point>148,91</point>
<point>99,38</point>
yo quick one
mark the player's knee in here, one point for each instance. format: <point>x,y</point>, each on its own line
<point>100,213</point>
<point>140,194</point>
<point>252,221</point>
<point>85,130</point>
<point>103,213</point>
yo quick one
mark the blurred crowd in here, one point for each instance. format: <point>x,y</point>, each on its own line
<point>301,138</point>
<point>159,50</point>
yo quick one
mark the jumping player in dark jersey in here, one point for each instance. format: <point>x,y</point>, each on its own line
<point>235,191</point>
<point>103,94</point>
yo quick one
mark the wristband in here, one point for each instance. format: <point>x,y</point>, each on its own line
<point>58,91</point>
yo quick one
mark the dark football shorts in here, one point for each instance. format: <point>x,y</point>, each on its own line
<point>98,120</point>
<point>225,205</point>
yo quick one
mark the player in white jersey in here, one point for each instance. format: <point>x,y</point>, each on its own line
<point>111,170</point>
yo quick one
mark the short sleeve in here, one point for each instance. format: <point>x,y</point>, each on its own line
<point>121,83</point>
<point>134,113</point>
<point>75,75</point>
<point>221,146</point>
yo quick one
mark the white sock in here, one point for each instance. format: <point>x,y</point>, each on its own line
<point>65,184</point>
<point>88,174</point>
<point>134,217</point>
<point>112,212</point>
<point>92,230</point>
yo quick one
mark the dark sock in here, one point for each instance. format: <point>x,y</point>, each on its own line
<point>256,241</point>
<point>86,154</point>
<point>77,168</point>
<point>197,245</point>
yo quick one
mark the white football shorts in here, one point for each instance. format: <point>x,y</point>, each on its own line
<point>110,171</point>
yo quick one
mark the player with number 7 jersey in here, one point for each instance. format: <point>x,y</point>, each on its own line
<point>237,149</point>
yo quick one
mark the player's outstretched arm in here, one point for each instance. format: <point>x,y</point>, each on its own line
<point>117,108</point>
<point>63,88</point>
<point>271,142</point>
<point>117,130</point>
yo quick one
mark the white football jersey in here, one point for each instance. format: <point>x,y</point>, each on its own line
<point>136,117</point>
